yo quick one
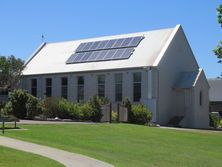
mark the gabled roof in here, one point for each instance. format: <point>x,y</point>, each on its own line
<point>215,93</point>
<point>51,57</point>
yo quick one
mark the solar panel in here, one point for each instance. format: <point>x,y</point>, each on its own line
<point>127,53</point>
<point>126,42</point>
<point>118,54</point>
<point>80,47</point>
<point>114,49</point>
<point>135,41</point>
<point>102,55</point>
<point>109,44</point>
<point>118,43</point>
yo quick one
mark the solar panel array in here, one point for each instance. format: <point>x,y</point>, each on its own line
<point>114,49</point>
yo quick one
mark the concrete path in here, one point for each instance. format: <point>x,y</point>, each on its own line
<point>193,130</point>
<point>34,122</point>
<point>67,158</point>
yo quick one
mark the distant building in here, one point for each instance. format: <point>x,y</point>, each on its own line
<point>215,95</point>
<point>156,68</point>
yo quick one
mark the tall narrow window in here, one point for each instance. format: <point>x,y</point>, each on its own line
<point>34,87</point>
<point>64,87</point>
<point>48,87</point>
<point>101,85</point>
<point>80,91</point>
<point>118,87</point>
<point>201,98</point>
<point>136,86</point>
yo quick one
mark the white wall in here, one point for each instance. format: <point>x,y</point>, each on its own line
<point>201,112</point>
<point>177,58</point>
<point>91,86</point>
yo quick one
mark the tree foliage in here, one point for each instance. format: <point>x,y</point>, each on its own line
<point>10,71</point>
<point>218,49</point>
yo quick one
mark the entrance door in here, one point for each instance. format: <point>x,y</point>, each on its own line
<point>180,103</point>
<point>183,105</point>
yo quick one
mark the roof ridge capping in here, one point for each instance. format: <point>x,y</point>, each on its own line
<point>140,33</point>
<point>164,49</point>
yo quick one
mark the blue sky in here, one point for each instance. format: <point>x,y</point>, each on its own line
<point>22,23</point>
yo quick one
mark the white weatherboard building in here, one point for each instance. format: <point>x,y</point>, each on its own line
<point>156,68</point>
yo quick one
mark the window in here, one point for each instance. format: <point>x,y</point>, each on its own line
<point>101,85</point>
<point>200,98</point>
<point>136,86</point>
<point>118,87</point>
<point>80,89</point>
<point>34,87</point>
<point>64,87</point>
<point>48,87</point>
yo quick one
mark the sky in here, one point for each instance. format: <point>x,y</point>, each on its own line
<point>23,22</point>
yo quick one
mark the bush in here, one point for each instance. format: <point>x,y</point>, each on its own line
<point>86,111</point>
<point>221,123</point>
<point>23,105</point>
<point>214,120</point>
<point>127,104</point>
<point>64,109</point>
<point>33,106</point>
<point>95,103</point>
<point>114,117</point>
<point>75,111</point>
<point>140,114</point>
<point>18,99</point>
<point>2,105</point>
<point>51,107</point>
<point>7,110</point>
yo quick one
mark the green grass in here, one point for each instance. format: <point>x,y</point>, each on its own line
<point>125,145</point>
<point>13,158</point>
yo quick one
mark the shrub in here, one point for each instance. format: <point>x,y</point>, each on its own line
<point>128,105</point>
<point>140,114</point>
<point>2,105</point>
<point>85,111</point>
<point>64,109</point>
<point>114,116</point>
<point>51,107</point>
<point>214,120</point>
<point>75,111</point>
<point>221,123</point>
<point>22,105</point>
<point>18,99</point>
<point>33,107</point>
<point>95,103</point>
<point>7,110</point>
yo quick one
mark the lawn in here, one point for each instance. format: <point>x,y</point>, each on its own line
<point>13,158</point>
<point>125,145</point>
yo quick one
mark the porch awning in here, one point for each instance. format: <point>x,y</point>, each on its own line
<point>187,80</point>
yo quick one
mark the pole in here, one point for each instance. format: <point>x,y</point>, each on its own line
<point>110,112</point>
<point>15,125</point>
<point>3,126</point>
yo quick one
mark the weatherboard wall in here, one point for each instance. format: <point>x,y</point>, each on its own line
<point>91,87</point>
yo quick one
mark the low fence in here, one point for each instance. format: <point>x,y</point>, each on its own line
<point>107,113</point>
<point>122,113</point>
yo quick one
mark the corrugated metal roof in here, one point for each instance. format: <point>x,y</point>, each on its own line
<point>52,57</point>
<point>215,93</point>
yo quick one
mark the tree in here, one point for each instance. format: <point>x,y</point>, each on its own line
<point>10,72</point>
<point>218,49</point>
